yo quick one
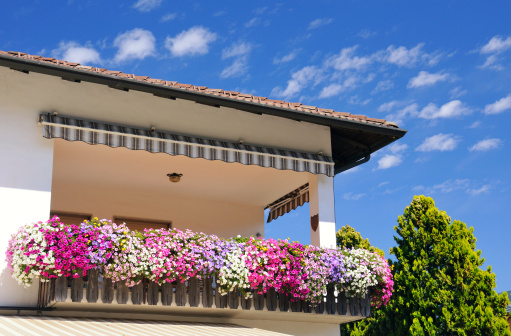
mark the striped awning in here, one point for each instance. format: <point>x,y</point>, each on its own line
<point>70,326</point>
<point>288,202</point>
<point>94,133</point>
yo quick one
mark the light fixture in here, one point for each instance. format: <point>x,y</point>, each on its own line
<point>174,177</point>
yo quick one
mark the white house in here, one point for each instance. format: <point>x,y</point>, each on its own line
<point>84,141</point>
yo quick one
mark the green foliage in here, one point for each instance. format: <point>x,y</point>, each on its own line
<point>349,238</point>
<point>439,288</point>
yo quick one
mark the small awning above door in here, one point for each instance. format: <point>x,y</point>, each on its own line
<point>94,133</point>
<point>288,202</point>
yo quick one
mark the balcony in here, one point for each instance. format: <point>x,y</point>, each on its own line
<point>190,300</point>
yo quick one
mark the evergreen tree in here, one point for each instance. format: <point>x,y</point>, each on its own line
<point>439,288</point>
<point>349,238</point>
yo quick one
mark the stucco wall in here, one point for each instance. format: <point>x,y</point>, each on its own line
<point>25,191</point>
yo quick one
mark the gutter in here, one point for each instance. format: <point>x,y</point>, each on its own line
<point>352,165</point>
<point>126,84</point>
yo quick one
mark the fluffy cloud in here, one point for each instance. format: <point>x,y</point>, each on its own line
<point>411,110</point>
<point>440,142</point>
<point>331,90</point>
<point>402,56</point>
<point>383,85</point>
<point>499,106</point>
<point>486,145</point>
<point>425,78</point>
<point>352,197</point>
<point>238,51</point>
<point>168,17</point>
<point>468,186</point>
<point>319,22</point>
<point>346,60</point>
<point>299,80</point>
<point>134,44</point>
<point>496,45</point>
<point>286,58</point>
<point>73,52</point>
<point>147,5</point>
<point>452,109</point>
<point>194,41</point>
<point>394,158</point>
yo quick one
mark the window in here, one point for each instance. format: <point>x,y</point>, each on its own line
<point>69,217</point>
<point>138,224</point>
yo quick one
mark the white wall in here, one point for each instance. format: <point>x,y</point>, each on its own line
<point>25,190</point>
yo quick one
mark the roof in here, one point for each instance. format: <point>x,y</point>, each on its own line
<point>354,137</point>
<point>206,90</point>
<point>45,325</point>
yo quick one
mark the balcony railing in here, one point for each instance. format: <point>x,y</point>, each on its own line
<point>93,288</point>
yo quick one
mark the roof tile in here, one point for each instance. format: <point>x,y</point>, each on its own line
<point>206,90</point>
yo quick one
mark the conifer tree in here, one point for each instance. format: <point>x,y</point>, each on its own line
<point>439,287</point>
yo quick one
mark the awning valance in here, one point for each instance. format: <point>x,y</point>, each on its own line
<point>93,132</point>
<point>56,326</point>
<point>289,202</point>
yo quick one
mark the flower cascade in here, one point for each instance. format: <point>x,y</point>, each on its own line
<point>51,249</point>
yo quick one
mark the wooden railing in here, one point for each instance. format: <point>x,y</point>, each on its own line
<point>195,293</point>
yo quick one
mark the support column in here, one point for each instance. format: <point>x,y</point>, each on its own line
<point>322,210</point>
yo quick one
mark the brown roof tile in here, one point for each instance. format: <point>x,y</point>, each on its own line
<point>206,90</point>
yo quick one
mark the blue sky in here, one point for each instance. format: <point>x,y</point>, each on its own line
<point>440,69</point>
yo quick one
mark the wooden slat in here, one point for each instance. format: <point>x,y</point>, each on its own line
<point>354,306</point>
<point>246,304</point>
<point>220,300</point>
<point>137,293</point>
<point>123,293</point>
<point>307,307</point>
<point>166,293</point>
<point>258,301</point>
<point>77,288</point>
<point>320,307</point>
<point>271,299</point>
<point>107,292</point>
<point>234,299</point>
<point>342,305</point>
<point>194,292</point>
<point>365,306</point>
<point>180,293</point>
<point>138,224</point>
<point>283,302</point>
<point>61,289</point>
<point>207,293</point>
<point>330,301</point>
<point>70,218</point>
<point>296,306</point>
<point>92,285</point>
<point>43,297</point>
<point>153,289</point>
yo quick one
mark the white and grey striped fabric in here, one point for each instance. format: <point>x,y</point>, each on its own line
<point>291,201</point>
<point>95,133</point>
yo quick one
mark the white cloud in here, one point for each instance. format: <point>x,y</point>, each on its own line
<point>383,184</point>
<point>452,109</point>
<point>352,197</point>
<point>457,92</point>
<point>475,124</point>
<point>491,63</point>
<point>286,58</point>
<point>299,80</point>
<point>389,106</point>
<point>347,61</point>
<point>496,45</point>
<point>425,78</point>
<point>147,5</point>
<point>236,50</point>
<point>384,85</point>
<point>239,51</point>
<point>389,161</point>
<point>254,22</point>
<point>330,90</point>
<point>194,41</point>
<point>486,145</point>
<point>366,34</point>
<point>73,52</point>
<point>168,17</point>
<point>356,100</point>
<point>400,115</point>
<point>319,22</point>
<point>499,106</point>
<point>440,142</point>
<point>483,189</point>
<point>402,56</point>
<point>134,44</point>
<point>397,148</point>
<point>452,185</point>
